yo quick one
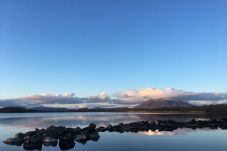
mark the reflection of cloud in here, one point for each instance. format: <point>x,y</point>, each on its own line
<point>179,131</point>
<point>128,98</point>
<point>156,132</point>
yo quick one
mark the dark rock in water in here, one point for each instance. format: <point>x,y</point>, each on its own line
<point>92,126</point>
<point>101,129</point>
<point>224,119</point>
<point>94,136</point>
<point>109,128</point>
<point>37,138</point>
<point>13,141</point>
<point>17,140</point>
<point>54,131</point>
<point>77,130</point>
<point>67,137</point>
<point>32,146</point>
<point>81,137</point>
<point>28,135</point>
<point>34,136</point>
<point>65,145</point>
<point>19,136</point>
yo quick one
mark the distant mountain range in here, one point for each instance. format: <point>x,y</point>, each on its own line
<point>164,103</point>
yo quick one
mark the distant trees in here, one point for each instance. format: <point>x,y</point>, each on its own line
<point>13,109</point>
<point>209,109</point>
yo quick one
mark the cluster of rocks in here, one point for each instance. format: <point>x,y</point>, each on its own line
<point>53,135</point>
<point>66,137</point>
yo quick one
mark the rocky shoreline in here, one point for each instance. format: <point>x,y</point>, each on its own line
<point>66,137</point>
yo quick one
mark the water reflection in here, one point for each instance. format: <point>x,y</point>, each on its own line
<point>13,123</point>
<point>67,145</point>
<point>41,120</point>
<point>179,131</point>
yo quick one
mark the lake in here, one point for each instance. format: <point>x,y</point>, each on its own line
<point>177,140</point>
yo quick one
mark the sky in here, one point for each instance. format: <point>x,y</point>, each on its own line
<point>93,46</point>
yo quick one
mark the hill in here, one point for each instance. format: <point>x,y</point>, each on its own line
<point>164,103</point>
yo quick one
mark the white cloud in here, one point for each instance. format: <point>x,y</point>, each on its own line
<point>122,99</point>
<point>150,93</point>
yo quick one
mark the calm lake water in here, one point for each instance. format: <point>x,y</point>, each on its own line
<point>178,140</point>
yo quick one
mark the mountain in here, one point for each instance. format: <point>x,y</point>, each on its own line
<point>163,103</point>
<point>48,109</point>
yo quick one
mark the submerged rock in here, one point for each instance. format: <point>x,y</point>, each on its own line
<point>54,131</point>
<point>67,137</point>
<point>94,136</point>
<point>19,136</point>
<point>65,145</point>
<point>32,146</point>
<point>80,137</point>
<point>13,141</point>
<point>101,129</point>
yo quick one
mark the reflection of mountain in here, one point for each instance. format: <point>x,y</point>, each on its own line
<point>41,120</point>
<point>162,103</point>
<point>179,131</point>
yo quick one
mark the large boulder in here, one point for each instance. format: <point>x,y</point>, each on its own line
<point>77,130</point>
<point>54,131</point>
<point>28,135</point>
<point>81,137</point>
<point>67,137</point>
<point>92,126</point>
<point>19,136</point>
<point>101,129</point>
<point>32,146</point>
<point>94,136</point>
<point>66,145</point>
<point>34,136</point>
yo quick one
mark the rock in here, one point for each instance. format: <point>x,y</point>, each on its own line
<point>66,145</point>
<point>67,137</point>
<point>54,132</point>
<point>36,138</point>
<point>92,126</point>
<point>94,136</point>
<point>19,136</point>
<point>101,129</point>
<point>77,130</point>
<point>32,146</point>
<point>28,136</point>
<point>13,141</point>
<point>80,137</point>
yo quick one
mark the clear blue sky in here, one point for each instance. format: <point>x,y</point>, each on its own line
<point>89,46</point>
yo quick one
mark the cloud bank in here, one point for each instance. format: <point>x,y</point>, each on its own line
<point>128,98</point>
